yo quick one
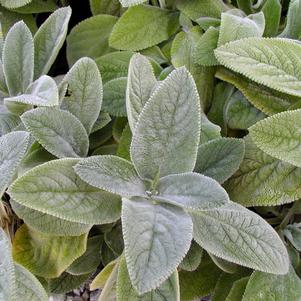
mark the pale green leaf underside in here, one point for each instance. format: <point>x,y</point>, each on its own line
<point>140,83</point>
<point>192,191</point>
<point>155,248</point>
<point>18,58</point>
<point>279,136</point>
<point>168,143</point>
<point>262,286</point>
<point>42,92</point>
<point>262,180</point>
<point>220,158</point>
<point>48,224</point>
<point>55,189</point>
<point>45,255</point>
<point>169,290</point>
<point>58,131</point>
<point>272,62</point>
<point>49,39</point>
<point>85,90</point>
<point>241,236</point>
<point>13,147</point>
<point>112,174</point>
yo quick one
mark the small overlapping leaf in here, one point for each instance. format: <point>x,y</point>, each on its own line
<point>84,98</point>
<point>193,258</point>
<point>239,235</point>
<point>8,122</point>
<point>140,84</point>
<point>13,147</point>
<point>42,92</point>
<point>167,144</point>
<point>60,132</point>
<point>112,174</point>
<point>191,191</point>
<point>18,58</point>
<point>157,237</point>
<point>55,189</point>
<point>129,31</point>
<point>220,158</point>
<point>49,39</point>
<point>274,63</point>
<point>279,136</point>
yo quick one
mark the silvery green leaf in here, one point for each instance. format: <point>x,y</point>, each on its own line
<point>37,6</point>
<point>42,92</point>
<point>112,174</point>
<point>270,62</point>
<point>293,233</point>
<point>191,191</point>
<point>235,27</point>
<point>209,130</point>
<point>140,84</point>
<point>169,290</point>
<point>55,189</point>
<point>102,120</point>
<point>58,131</point>
<point>49,39</point>
<point>239,235</point>
<point>168,144</point>
<point>11,4</point>
<point>8,122</point>
<point>278,136</point>
<point>84,98</point>
<point>157,237</point>
<point>13,147</point>
<point>18,59</point>
<point>220,158</point>
<point>127,3</point>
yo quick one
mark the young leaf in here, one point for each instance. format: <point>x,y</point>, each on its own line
<point>140,84</point>
<point>220,158</point>
<point>264,286</point>
<point>13,147</point>
<point>90,38</point>
<point>112,174</point>
<point>168,144</point>
<point>191,191</point>
<point>49,39</point>
<point>278,136</point>
<point>85,90</point>
<point>60,132</point>
<point>238,235</point>
<point>42,92</point>
<point>17,57</point>
<point>44,255</point>
<point>154,249</point>
<point>55,189</point>
<point>169,290</point>
<point>129,31</point>
<point>271,62</point>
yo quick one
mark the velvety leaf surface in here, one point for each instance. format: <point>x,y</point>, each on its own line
<point>193,258</point>
<point>8,122</point>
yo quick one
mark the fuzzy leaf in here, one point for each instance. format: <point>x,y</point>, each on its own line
<point>209,130</point>
<point>8,122</point>
<point>112,174</point>
<point>60,132</point>
<point>169,290</point>
<point>278,136</point>
<point>272,15</point>
<point>49,39</point>
<point>262,286</point>
<point>220,158</point>
<point>239,235</point>
<point>107,7</point>
<point>193,258</point>
<point>293,233</point>
<point>13,147</point>
<point>168,144</point>
<point>272,62</point>
<point>155,248</point>
<point>85,90</point>
<point>55,189</point>
<point>191,191</point>
<point>140,84</point>
<point>36,6</point>
<point>129,33</point>
<point>127,3</point>
<point>263,180</point>
<point>44,255</point>
<point>237,291</point>
<point>17,57</point>
<point>42,92</point>
<point>10,4</point>
<point>90,38</point>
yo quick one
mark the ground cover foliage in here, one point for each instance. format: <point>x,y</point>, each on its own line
<point>151,149</point>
